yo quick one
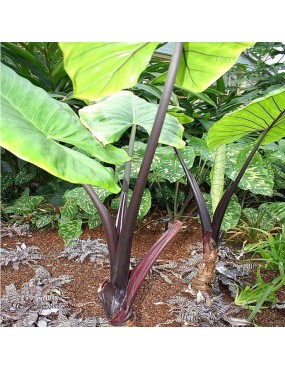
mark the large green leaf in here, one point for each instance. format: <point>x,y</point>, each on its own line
<point>32,123</point>
<point>54,119</point>
<point>99,69</point>
<point>109,119</point>
<point>165,163</point>
<point>256,178</point>
<point>267,113</point>
<point>202,63</point>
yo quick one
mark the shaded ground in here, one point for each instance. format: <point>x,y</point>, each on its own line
<point>149,309</point>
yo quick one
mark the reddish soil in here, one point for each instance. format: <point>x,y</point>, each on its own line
<point>149,308</point>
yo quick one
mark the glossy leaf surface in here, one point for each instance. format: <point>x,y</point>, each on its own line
<point>202,63</point>
<point>99,69</point>
<point>109,119</point>
<point>264,114</point>
<point>32,123</point>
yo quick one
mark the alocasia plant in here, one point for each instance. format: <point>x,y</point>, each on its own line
<point>34,127</point>
<point>265,118</point>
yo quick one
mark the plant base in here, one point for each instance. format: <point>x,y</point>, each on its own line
<point>204,279</point>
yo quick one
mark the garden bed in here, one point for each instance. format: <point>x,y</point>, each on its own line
<point>150,307</point>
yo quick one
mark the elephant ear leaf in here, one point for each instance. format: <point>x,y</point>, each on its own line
<point>202,63</point>
<point>264,116</point>
<point>33,124</point>
<point>110,118</point>
<point>99,69</point>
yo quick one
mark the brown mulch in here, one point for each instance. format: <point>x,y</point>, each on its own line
<point>149,308</point>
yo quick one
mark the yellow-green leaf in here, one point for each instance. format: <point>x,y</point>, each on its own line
<point>99,69</point>
<point>202,63</point>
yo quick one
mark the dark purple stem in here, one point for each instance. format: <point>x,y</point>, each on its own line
<point>200,201</point>
<point>126,183</point>
<point>120,266</point>
<point>108,226</point>
<point>143,267</point>
<point>140,272</point>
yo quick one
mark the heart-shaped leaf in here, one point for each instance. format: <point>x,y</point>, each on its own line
<point>263,115</point>
<point>109,119</point>
<point>202,63</point>
<point>32,123</point>
<point>99,69</point>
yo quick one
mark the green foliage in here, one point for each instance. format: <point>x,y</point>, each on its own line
<point>25,204</point>
<point>254,223</point>
<point>32,210</point>
<point>274,154</point>
<point>232,215</point>
<point>144,206</point>
<point>217,176</point>
<point>109,119</point>
<point>13,182</point>
<point>16,174</point>
<point>42,64</point>
<point>263,74</point>
<point>69,230</point>
<point>271,251</point>
<point>115,66</point>
<point>257,178</point>
<point>39,62</point>
<point>165,174</point>
<point>256,296</point>
<point>99,69</point>
<point>78,207</point>
<point>27,108</point>
<point>263,114</point>
<point>204,62</point>
<point>165,165</point>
